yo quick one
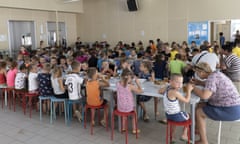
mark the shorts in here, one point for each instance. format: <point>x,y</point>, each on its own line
<point>178,117</point>
<point>222,113</point>
<point>143,98</point>
<point>62,96</point>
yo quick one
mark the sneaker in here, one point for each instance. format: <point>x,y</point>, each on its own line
<point>79,116</point>
<point>146,118</point>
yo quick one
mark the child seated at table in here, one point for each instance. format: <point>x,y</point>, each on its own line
<point>146,73</point>
<point>21,77</point>
<point>32,78</point>
<point>106,70</point>
<point>94,97</point>
<point>11,74</point>
<point>45,87</point>
<point>57,83</point>
<point>74,82</point>
<point>171,99</point>
<point>125,99</point>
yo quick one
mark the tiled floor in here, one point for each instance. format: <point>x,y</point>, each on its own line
<point>16,128</point>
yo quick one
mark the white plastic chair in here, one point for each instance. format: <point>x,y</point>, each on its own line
<point>220,129</point>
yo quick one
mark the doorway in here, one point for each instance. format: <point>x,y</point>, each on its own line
<point>223,26</point>
<point>52,33</point>
<point>21,33</point>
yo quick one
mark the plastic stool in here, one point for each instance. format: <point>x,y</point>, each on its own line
<point>220,129</point>
<point>69,109</point>
<point>41,98</point>
<point>124,114</point>
<point>17,93</point>
<point>94,108</point>
<point>53,111</point>
<point>171,123</point>
<point>30,96</point>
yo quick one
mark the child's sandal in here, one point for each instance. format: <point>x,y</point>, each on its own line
<point>103,123</point>
<point>136,131</point>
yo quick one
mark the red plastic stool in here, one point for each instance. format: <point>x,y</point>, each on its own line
<point>124,114</point>
<point>171,123</point>
<point>30,96</point>
<point>20,94</point>
<point>94,108</point>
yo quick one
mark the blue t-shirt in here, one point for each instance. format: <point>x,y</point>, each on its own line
<point>136,67</point>
<point>145,76</point>
<point>222,40</point>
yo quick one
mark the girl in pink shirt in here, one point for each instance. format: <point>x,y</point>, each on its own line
<point>11,74</point>
<point>125,100</point>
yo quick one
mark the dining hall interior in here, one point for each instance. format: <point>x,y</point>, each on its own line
<point>127,54</point>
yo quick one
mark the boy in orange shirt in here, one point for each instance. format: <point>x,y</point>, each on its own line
<point>93,92</point>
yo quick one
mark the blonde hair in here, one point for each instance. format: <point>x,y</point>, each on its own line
<point>203,66</point>
<point>57,72</point>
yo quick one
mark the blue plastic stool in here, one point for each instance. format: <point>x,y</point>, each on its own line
<point>53,111</point>
<point>41,98</point>
<point>69,109</point>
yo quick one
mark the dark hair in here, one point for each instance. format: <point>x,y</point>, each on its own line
<point>195,50</point>
<point>91,72</point>
<point>158,58</point>
<point>177,56</point>
<point>221,33</point>
<point>3,64</point>
<point>22,67</point>
<point>139,55</point>
<point>216,47</point>
<point>147,64</point>
<point>13,64</point>
<point>125,73</point>
<point>227,48</point>
<point>203,47</point>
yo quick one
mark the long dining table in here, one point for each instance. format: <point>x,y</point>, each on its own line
<point>151,89</point>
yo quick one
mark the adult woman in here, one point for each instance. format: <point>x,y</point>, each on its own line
<point>223,99</point>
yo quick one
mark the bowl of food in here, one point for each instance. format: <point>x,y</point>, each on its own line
<point>157,82</point>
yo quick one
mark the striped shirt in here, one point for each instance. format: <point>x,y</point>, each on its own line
<point>232,63</point>
<point>170,106</point>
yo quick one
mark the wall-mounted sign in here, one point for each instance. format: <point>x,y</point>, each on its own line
<point>198,32</point>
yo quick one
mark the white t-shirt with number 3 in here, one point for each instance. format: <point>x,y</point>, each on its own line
<point>73,82</point>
